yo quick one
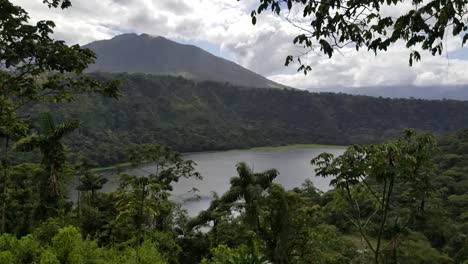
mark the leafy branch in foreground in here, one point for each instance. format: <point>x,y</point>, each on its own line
<point>37,68</point>
<point>375,171</point>
<point>329,26</point>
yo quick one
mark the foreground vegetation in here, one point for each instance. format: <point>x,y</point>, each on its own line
<point>401,201</point>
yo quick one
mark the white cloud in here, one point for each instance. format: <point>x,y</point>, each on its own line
<point>261,48</point>
<point>357,69</point>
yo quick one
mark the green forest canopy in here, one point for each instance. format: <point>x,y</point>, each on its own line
<point>423,218</point>
<point>200,116</point>
<point>400,201</point>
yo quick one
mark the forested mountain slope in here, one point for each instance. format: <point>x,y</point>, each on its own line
<point>193,116</point>
<point>457,92</point>
<point>143,53</point>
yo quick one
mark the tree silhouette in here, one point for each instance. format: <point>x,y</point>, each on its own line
<point>91,182</point>
<point>249,186</point>
<point>49,142</point>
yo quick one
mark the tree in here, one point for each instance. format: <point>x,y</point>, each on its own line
<point>140,199</point>
<point>372,172</point>
<point>249,186</point>
<point>294,230</point>
<point>22,197</point>
<point>145,199</point>
<point>49,142</point>
<point>212,214</point>
<point>331,25</point>
<point>36,67</point>
<point>91,182</point>
<point>167,164</point>
<point>241,255</point>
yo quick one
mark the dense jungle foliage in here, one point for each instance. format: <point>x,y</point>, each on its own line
<point>400,201</point>
<point>190,116</point>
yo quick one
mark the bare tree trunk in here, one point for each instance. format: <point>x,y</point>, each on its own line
<point>386,204</point>
<point>79,205</point>
<point>4,183</point>
<point>140,223</point>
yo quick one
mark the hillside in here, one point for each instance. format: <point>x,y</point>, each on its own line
<point>132,53</point>
<point>193,116</point>
<point>455,92</point>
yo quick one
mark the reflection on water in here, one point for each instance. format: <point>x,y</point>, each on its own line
<point>218,167</point>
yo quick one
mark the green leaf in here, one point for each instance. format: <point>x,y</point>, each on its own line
<point>289,59</point>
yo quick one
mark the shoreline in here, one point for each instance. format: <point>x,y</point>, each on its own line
<point>264,148</point>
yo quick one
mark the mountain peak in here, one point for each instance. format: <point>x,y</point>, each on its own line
<point>126,36</point>
<point>157,55</point>
<point>136,37</point>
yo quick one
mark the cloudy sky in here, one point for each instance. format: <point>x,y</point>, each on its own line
<point>223,27</point>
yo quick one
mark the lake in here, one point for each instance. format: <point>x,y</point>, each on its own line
<point>218,167</point>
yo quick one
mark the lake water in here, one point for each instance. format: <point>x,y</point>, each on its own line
<point>218,167</point>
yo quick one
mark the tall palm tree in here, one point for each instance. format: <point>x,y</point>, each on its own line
<point>249,186</point>
<point>50,144</point>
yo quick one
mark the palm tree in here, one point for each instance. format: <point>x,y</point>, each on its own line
<point>91,182</point>
<point>249,186</point>
<point>50,144</point>
<point>214,214</point>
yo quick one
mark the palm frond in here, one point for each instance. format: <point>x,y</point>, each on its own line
<point>203,218</point>
<point>66,128</point>
<point>232,195</point>
<point>265,178</point>
<point>236,181</point>
<point>244,171</point>
<point>28,143</point>
<point>47,123</point>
